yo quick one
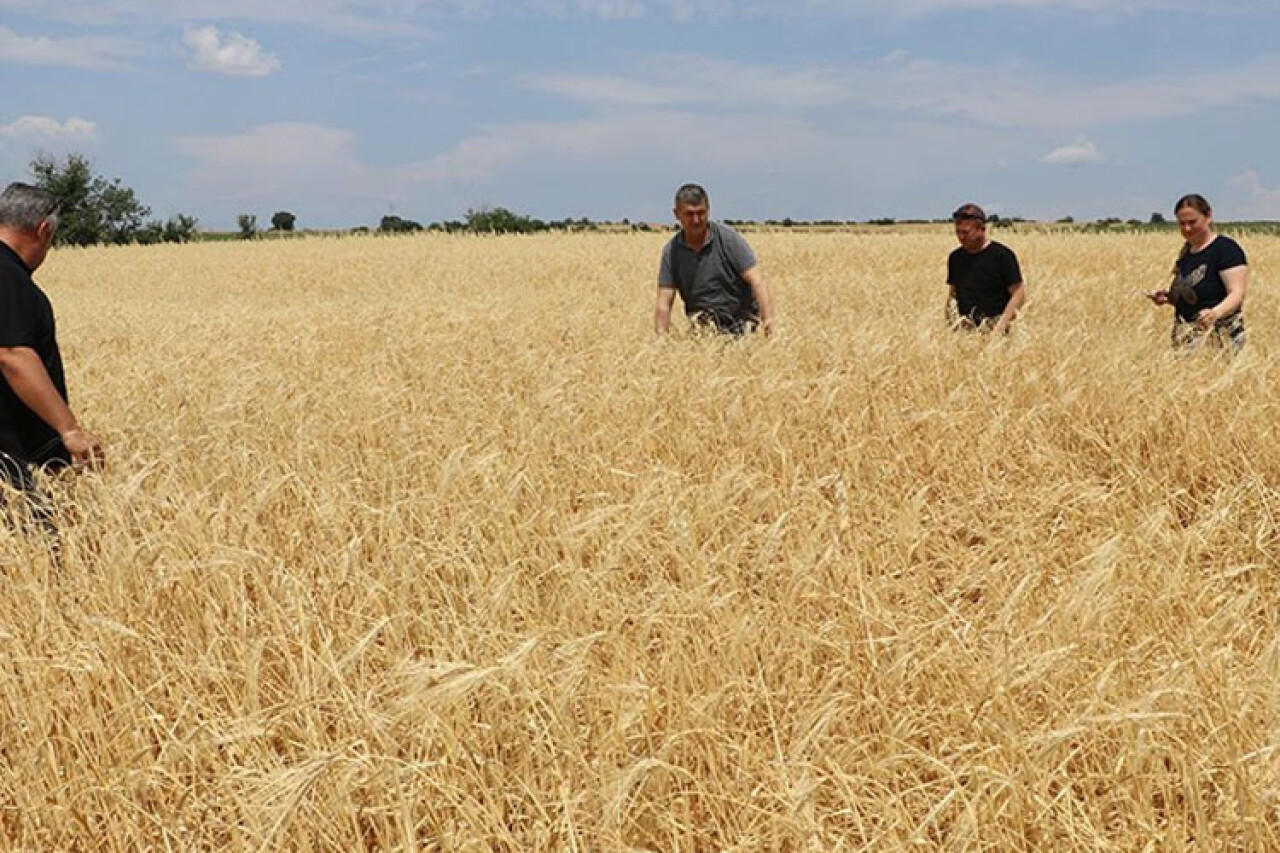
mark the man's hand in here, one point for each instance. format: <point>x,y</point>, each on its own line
<point>1159,297</point>
<point>85,449</point>
<point>763,297</point>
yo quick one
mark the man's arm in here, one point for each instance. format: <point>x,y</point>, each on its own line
<point>25,373</point>
<point>1017,298</point>
<point>662,314</point>
<point>952,309</point>
<point>763,297</point>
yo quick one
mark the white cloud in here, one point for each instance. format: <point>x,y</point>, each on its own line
<point>1038,100</point>
<point>920,87</point>
<point>609,10</point>
<point>289,163</point>
<point>84,52</point>
<point>696,142</point>
<point>280,161</point>
<point>235,54</point>
<point>1082,152</point>
<point>402,18</point>
<point>618,138</point>
<point>1253,199</point>
<point>355,19</point>
<point>44,128</point>
<point>681,80</point>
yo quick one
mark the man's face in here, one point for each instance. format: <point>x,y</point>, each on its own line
<point>693,219</point>
<point>971,233</point>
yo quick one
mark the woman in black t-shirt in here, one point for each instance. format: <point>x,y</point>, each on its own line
<point>1209,281</point>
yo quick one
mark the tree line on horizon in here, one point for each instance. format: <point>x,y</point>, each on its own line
<point>95,210</point>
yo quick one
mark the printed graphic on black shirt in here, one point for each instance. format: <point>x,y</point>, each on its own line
<point>1197,282</point>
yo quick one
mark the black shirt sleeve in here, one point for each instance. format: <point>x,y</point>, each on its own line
<point>1009,268</point>
<point>19,320</point>
<point>1231,255</point>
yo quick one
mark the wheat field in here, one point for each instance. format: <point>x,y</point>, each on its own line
<point>427,543</point>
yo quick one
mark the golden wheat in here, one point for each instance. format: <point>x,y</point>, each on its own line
<point>428,544</point>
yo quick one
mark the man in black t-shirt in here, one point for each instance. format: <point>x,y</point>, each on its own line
<point>37,428</point>
<point>985,282</point>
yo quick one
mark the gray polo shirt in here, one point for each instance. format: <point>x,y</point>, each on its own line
<point>710,280</point>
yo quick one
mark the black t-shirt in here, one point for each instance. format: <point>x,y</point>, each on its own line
<point>26,320</point>
<point>1202,272</point>
<point>982,280</point>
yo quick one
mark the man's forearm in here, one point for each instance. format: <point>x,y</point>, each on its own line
<point>26,375</point>
<point>662,311</point>
<point>1016,300</point>
<point>763,297</point>
<point>764,300</point>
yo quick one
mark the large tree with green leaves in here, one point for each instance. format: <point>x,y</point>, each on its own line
<point>93,209</point>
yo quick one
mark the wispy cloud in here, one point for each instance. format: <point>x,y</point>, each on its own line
<point>484,156</point>
<point>284,159</point>
<point>291,160</point>
<point>1082,152</point>
<point>1254,200</point>
<point>684,80</point>
<point>233,54</point>
<point>696,141</point>
<point>400,19</point>
<point>920,87</point>
<point>96,53</point>
<point>46,129</point>
<point>609,10</point>
<point>354,19</point>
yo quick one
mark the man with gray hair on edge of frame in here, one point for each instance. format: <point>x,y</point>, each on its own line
<point>37,427</point>
<point>714,270</point>
<point>985,287</point>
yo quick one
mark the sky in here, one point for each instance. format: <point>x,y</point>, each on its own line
<point>343,111</point>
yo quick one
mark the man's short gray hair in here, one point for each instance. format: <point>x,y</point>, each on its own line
<point>971,212</point>
<point>691,194</point>
<point>24,206</point>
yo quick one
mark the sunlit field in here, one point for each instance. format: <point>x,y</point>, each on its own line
<point>427,543</point>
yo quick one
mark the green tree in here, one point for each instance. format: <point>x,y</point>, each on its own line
<point>151,233</point>
<point>92,209</point>
<point>179,229</point>
<point>282,220</point>
<point>499,220</point>
<point>396,225</point>
<point>248,224</point>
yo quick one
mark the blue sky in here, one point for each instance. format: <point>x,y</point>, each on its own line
<point>342,111</point>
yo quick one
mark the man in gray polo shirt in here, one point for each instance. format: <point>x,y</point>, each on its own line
<point>714,271</point>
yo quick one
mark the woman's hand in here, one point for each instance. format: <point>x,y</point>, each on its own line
<point>1206,318</point>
